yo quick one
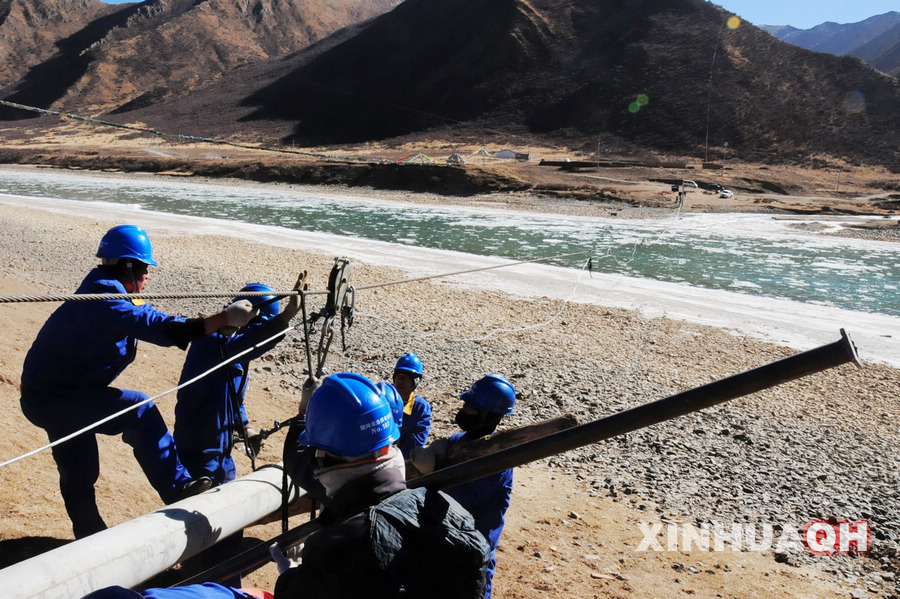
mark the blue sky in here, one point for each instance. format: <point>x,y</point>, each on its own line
<point>804,14</point>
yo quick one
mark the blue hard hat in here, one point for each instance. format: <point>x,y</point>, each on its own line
<point>390,393</point>
<point>492,393</point>
<point>409,363</point>
<point>126,241</point>
<point>348,415</point>
<point>269,310</point>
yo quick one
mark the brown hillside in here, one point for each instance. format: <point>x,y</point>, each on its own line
<point>556,66</point>
<point>32,31</point>
<point>147,52</point>
<point>621,76</point>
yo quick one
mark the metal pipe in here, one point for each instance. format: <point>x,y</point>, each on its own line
<point>137,550</point>
<point>722,390</point>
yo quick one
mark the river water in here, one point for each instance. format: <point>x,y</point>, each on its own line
<point>755,261</point>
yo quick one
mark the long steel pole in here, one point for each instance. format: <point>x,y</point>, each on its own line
<point>722,390</point>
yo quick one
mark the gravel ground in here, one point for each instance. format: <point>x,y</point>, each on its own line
<point>822,447</point>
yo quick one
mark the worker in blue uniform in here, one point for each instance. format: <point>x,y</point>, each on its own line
<point>379,539</point>
<point>205,590</point>
<point>79,352</point>
<point>416,409</point>
<point>386,541</point>
<point>209,411</point>
<point>300,459</point>
<point>487,499</point>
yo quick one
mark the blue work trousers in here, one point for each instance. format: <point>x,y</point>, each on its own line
<point>64,411</point>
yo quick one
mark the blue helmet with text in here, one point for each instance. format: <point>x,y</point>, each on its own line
<point>348,415</point>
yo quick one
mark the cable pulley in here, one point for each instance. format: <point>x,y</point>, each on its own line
<point>336,303</point>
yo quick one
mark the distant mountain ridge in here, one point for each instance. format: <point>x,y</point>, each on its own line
<point>875,40</point>
<point>638,75</point>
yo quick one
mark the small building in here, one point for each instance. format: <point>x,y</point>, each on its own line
<point>508,154</point>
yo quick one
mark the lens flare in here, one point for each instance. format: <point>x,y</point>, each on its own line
<point>734,22</point>
<point>638,103</point>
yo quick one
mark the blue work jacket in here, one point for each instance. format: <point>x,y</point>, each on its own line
<point>205,413</point>
<point>89,343</point>
<point>415,426</point>
<point>487,499</point>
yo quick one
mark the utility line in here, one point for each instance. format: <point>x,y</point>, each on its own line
<point>109,296</point>
<point>492,332</point>
<point>146,401</point>
<point>214,294</point>
<point>189,138</point>
<point>462,272</point>
<point>83,297</point>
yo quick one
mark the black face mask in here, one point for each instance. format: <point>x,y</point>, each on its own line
<point>468,422</point>
<point>478,424</point>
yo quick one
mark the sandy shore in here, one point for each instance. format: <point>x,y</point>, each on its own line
<point>784,455</point>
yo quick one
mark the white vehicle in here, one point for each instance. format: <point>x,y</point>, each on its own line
<point>725,193</point>
<point>687,183</point>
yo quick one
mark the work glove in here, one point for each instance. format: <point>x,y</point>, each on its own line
<point>292,308</point>
<point>239,313</point>
<point>427,459</point>
<point>285,561</point>
<point>309,387</point>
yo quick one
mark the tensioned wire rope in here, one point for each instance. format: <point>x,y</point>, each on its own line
<point>492,332</point>
<point>146,401</point>
<point>152,296</point>
<point>110,296</point>
<point>214,294</point>
<point>217,294</point>
<point>198,139</point>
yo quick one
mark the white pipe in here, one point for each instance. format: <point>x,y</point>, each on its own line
<point>134,551</point>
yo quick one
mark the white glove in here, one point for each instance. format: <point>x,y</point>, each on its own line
<point>285,562</point>
<point>240,313</point>
<point>425,459</point>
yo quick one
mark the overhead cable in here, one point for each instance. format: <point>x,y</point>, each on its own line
<point>146,401</point>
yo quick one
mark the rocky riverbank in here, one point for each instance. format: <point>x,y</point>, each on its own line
<point>820,448</point>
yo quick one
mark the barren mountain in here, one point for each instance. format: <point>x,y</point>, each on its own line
<point>32,31</point>
<point>667,76</point>
<point>883,52</point>
<point>142,53</point>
